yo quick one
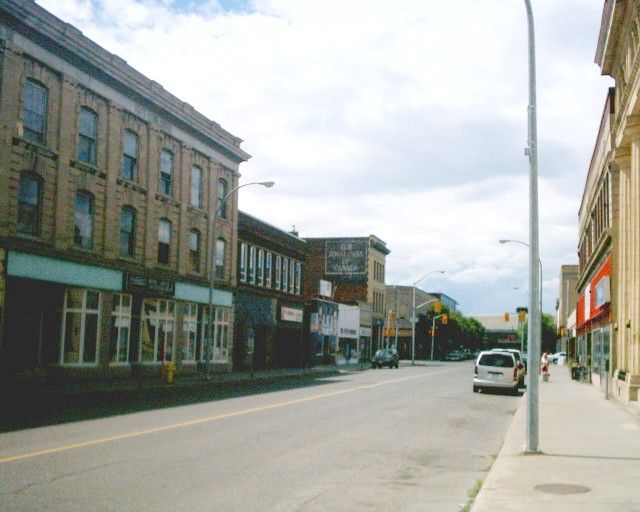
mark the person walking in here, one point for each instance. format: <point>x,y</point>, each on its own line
<point>544,367</point>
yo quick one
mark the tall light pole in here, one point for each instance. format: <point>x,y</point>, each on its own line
<point>535,318</point>
<point>413,315</point>
<point>212,268</point>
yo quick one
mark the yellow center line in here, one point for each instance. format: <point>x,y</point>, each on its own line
<point>208,419</point>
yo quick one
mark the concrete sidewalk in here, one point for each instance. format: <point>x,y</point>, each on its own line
<point>590,459</point>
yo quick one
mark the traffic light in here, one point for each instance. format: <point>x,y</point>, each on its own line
<point>522,315</point>
<point>445,319</point>
<point>437,307</point>
<point>506,317</point>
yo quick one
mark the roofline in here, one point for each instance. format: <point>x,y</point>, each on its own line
<point>297,239</point>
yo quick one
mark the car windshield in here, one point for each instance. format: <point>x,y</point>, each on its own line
<point>384,352</point>
<point>497,359</point>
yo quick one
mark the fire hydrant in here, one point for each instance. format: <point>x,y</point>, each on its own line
<point>169,370</point>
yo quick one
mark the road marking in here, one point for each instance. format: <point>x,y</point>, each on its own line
<point>208,419</point>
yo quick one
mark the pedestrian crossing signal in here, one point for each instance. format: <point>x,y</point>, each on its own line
<point>445,320</point>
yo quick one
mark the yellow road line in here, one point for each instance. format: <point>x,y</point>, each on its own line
<point>208,419</point>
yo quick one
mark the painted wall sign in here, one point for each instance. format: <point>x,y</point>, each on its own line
<point>346,257</point>
<point>291,315</point>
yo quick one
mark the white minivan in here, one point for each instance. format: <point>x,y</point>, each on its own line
<point>498,370</point>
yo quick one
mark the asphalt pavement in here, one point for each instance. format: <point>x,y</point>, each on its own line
<point>589,461</point>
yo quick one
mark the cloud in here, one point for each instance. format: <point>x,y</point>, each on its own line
<point>407,120</point>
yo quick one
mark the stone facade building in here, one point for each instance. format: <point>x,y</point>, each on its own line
<point>108,186</point>
<point>567,297</point>
<point>618,55</point>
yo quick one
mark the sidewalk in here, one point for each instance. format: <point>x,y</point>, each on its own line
<point>590,459</point>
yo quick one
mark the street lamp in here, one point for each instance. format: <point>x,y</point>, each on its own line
<point>506,241</point>
<point>212,268</point>
<point>413,319</point>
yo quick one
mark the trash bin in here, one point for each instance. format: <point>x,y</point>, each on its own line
<point>574,372</point>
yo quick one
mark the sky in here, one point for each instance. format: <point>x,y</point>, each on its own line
<point>404,119</point>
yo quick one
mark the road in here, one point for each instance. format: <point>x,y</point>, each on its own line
<point>415,438</point>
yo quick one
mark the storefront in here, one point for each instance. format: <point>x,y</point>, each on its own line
<point>323,331</point>
<point>348,334</point>
<point>593,322</point>
<point>290,345</point>
<point>75,320</point>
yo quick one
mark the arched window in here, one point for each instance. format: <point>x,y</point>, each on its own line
<point>194,250</point>
<point>164,241</point>
<point>87,140</point>
<point>129,155</point>
<point>29,205</point>
<point>223,188</point>
<point>83,220</point>
<point>221,256</point>
<point>34,111</point>
<point>127,231</point>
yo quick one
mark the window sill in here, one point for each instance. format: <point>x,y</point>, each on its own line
<point>199,211</point>
<point>132,185</point>
<point>88,168</point>
<point>167,199</point>
<point>27,236</point>
<point>41,148</point>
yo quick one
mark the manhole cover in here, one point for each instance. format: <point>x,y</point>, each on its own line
<point>562,488</point>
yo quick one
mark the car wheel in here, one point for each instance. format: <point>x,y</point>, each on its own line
<point>475,389</point>
<point>515,391</point>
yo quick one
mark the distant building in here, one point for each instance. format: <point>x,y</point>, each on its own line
<point>269,306</point>
<point>107,190</point>
<point>502,330</point>
<point>569,275</point>
<point>355,267</point>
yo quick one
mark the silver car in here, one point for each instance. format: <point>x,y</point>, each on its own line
<point>498,370</point>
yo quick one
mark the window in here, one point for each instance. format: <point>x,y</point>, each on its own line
<point>222,203</point>
<point>243,262</point>
<point>252,265</point>
<point>83,216</point>
<point>34,111</point>
<point>196,186</point>
<point>120,327</point>
<point>298,277</point>
<point>278,271</point>
<point>260,268</point>
<point>127,231</point>
<point>29,205</point>
<point>164,241</point>
<point>158,328</point>
<point>166,172</point>
<point>80,326</point>
<point>194,250</point>
<point>285,274</point>
<point>88,136</point>
<point>220,347</point>
<point>292,276</point>
<point>268,267</point>
<point>190,330</point>
<point>129,155</point>
<point>221,249</point>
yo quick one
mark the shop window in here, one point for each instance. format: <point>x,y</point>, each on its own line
<point>129,155</point>
<point>81,318</point>
<point>298,277</point>
<point>252,265</point>
<point>221,256</point>
<point>83,218</point>
<point>120,327</point>
<point>223,189</point>
<point>34,111</point>
<point>196,186</point>
<point>158,330</point>
<point>127,231</point>
<point>268,264</point>
<point>220,352</point>
<point>190,331</point>
<point>166,172</point>
<point>194,250</point>
<point>87,140</point>
<point>243,262</point>
<point>278,278</point>
<point>164,241</point>
<point>29,205</point>
<point>260,268</point>
<point>285,274</point>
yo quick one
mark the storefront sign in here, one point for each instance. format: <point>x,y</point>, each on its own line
<point>346,257</point>
<point>148,285</point>
<point>365,332</point>
<point>291,315</point>
<point>325,288</point>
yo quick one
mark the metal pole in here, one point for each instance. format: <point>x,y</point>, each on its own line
<point>433,334</point>
<point>413,327</point>
<point>395,292</point>
<point>534,253</point>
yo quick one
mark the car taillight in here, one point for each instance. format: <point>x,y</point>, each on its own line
<point>515,373</point>
<point>475,370</point>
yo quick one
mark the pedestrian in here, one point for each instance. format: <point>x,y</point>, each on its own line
<point>544,367</point>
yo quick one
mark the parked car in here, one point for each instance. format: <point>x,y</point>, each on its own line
<point>385,357</point>
<point>496,369</point>
<point>454,356</point>
<point>558,357</point>
<point>520,361</point>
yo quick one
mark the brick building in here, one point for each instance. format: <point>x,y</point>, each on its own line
<point>108,185</point>
<point>269,305</point>
<point>356,268</point>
